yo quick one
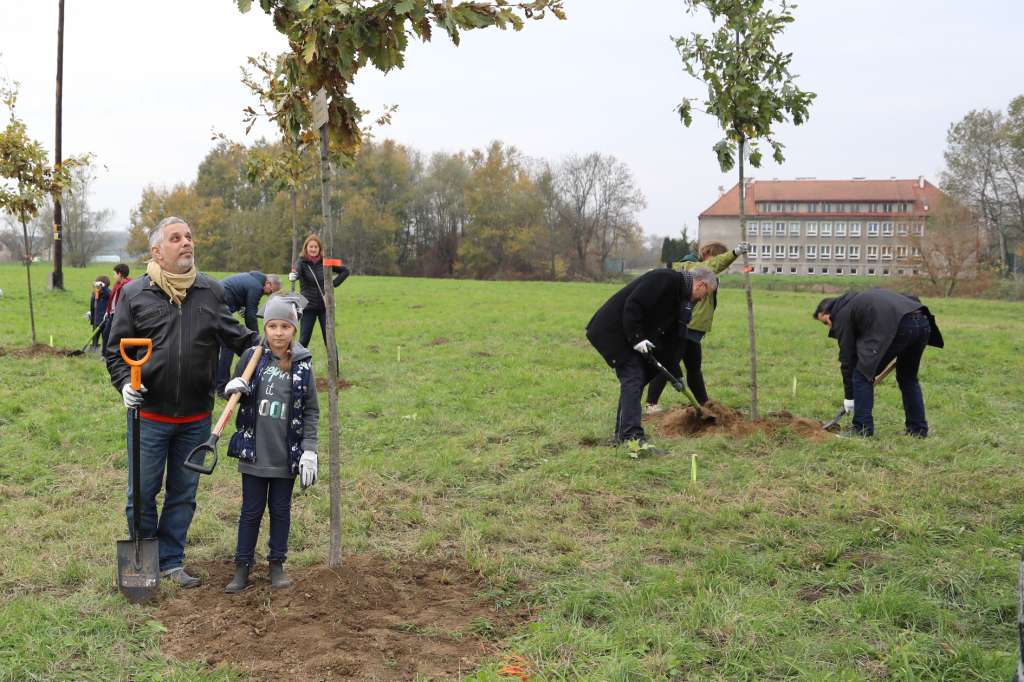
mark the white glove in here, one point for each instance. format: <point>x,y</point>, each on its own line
<point>132,398</point>
<point>307,469</point>
<point>848,405</point>
<point>88,315</point>
<point>741,249</point>
<point>237,385</point>
<point>292,276</point>
<point>644,347</point>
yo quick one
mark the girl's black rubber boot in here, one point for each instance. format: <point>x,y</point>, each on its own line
<point>241,580</point>
<point>277,576</point>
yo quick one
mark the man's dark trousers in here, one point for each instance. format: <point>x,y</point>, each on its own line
<point>223,366</point>
<point>631,389</point>
<point>906,348</point>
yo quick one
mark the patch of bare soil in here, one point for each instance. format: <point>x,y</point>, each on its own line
<point>440,341</point>
<point>415,307</point>
<point>811,595</point>
<point>681,422</point>
<point>374,349</point>
<point>369,619</point>
<point>39,350</point>
<point>482,354</point>
<point>321,384</point>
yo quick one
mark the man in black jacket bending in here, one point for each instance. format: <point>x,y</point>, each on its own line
<point>873,328</point>
<point>183,312</point>
<point>648,315</point>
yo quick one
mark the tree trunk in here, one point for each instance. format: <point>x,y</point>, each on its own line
<point>747,288</point>
<point>295,229</point>
<point>334,555</point>
<point>28,275</point>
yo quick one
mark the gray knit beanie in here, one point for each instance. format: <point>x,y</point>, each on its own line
<point>283,305</point>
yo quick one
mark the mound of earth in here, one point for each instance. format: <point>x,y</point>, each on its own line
<point>681,422</point>
<point>39,350</point>
<point>321,384</point>
<point>372,618</point>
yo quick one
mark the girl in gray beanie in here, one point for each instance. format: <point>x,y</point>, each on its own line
<point>276,437</point>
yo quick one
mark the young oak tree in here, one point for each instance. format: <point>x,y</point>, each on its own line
<point>28,179</point>
<point>750,89</point>
<point>330,42</point>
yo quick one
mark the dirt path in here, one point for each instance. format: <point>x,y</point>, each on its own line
<point>683,422</point>
<point>370,619</point>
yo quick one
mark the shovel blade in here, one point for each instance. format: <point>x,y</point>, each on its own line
<point>138,579</point>
<point>95,350</point>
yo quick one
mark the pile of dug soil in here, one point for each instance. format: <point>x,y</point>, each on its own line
<point>372,618</point>
<point>681,422</point>
<point>322,385</point>
<point>39,350</point>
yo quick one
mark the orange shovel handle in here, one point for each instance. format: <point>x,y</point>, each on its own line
<point>136,365</point>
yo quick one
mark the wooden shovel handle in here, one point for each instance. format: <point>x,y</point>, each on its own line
<point>136,365</point>
<point>887,372</point>
<point>257,353</point>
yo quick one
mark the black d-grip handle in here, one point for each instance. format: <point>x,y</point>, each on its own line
<point>209,446</point>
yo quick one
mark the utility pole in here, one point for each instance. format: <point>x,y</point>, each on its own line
<point>57,276</point>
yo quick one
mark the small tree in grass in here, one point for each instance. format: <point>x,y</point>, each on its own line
<point>28,179</point>
<point>330,42</point>
<point>750,89</point>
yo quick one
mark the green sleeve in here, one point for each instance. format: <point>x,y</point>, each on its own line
<point>721,262</point>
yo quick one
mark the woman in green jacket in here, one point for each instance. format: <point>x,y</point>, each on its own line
<point>718,257</point>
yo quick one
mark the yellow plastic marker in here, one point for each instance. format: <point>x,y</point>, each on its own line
<point>399,353</point>
<point>794,387</point>
<point>51,340</point>
<point>693,468</point>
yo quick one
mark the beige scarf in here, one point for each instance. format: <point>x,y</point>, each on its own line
<point>175,286</point>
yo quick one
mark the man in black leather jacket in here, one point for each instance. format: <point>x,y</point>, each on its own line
<point>183,312</point>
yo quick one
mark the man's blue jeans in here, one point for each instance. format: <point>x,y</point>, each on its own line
<point>628,424</point>
<point>165,446</point>
<point>906,348</point>
<point>225,357</point>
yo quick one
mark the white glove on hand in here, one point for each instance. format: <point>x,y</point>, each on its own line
<point>292,276</point>
<point>848,405</point>
<point>237,385</point>
<point>307,469</point>
<point>132,398</point>
<point>88,315</point>
<point>644,347</point>
<point>741,249</point>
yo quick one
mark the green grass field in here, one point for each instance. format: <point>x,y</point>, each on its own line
<point>890,559</point>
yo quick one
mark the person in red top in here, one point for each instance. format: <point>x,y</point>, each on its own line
<point>120,279</point>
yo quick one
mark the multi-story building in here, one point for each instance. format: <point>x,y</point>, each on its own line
<point>825,227</point>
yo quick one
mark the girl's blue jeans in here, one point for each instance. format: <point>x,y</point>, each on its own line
<point>258,495</point>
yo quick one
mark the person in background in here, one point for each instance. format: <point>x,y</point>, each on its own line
<point>120,279</point>
<point>309,272</point>
<point>98,304</point>
<point>718,257</point>
<point>243,293</point>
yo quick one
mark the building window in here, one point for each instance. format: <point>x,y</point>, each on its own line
<point>899,272</point>
<point>853,271</point>
<point>854,208</point>
<point>812,229</point>
<point>810,271</point>
<point>904,207</point>
<point>794,251</point>
<point>766,251</point>
<point>826,208</point>
<point>752,228</point>
<point>872,229</point>
<point>840,229</point>
<point>840,252</point>
<point>901,229</point>
<point>854,253</point>
<point>792,271</point>
<point>854,229</point>
<point>871,271</point>
<point>780,229</point>
<point>824,271</point>
<point>826,251</point>
<point>886,208</point>
<point>840,208</point>
<point>915,252</point>
<point>872,208</point>
<point>886,229</point>
<point>778,269</point>
<point>794,229</point>
<point>753,252</point>
<point>886,253</point>
<point>811,251</point>
<point>901,253</point>
<point>872,253</point>
<point>794,208</point>
<point>839,271</point>
<point>779,208</point>
<point>764,271</point>
<point>780,251</point>
<point>812,208</point>
<point>766,229</point>
<point>762,207</point>
<point>826,229</point>
<point>913,272</point>
<point>918,229</point>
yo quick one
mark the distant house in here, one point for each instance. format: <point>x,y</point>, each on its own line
<point>824,227</point>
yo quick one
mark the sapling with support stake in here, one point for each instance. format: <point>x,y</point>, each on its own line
<point>749,89</point>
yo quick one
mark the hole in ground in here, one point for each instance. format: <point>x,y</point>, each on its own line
<point>681,422</point>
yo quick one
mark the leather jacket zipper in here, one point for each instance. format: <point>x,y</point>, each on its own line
<point>177,388</point>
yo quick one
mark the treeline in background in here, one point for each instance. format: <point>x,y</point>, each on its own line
<point>491,213</point>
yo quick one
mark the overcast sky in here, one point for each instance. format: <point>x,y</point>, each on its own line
<point>144,84</point>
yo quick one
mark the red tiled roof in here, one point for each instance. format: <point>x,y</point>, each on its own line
<point>827,191</point>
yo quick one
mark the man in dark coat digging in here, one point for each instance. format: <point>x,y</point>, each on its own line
<point>648,315</point>
<point>243,293</point>
<point>873,328</point>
